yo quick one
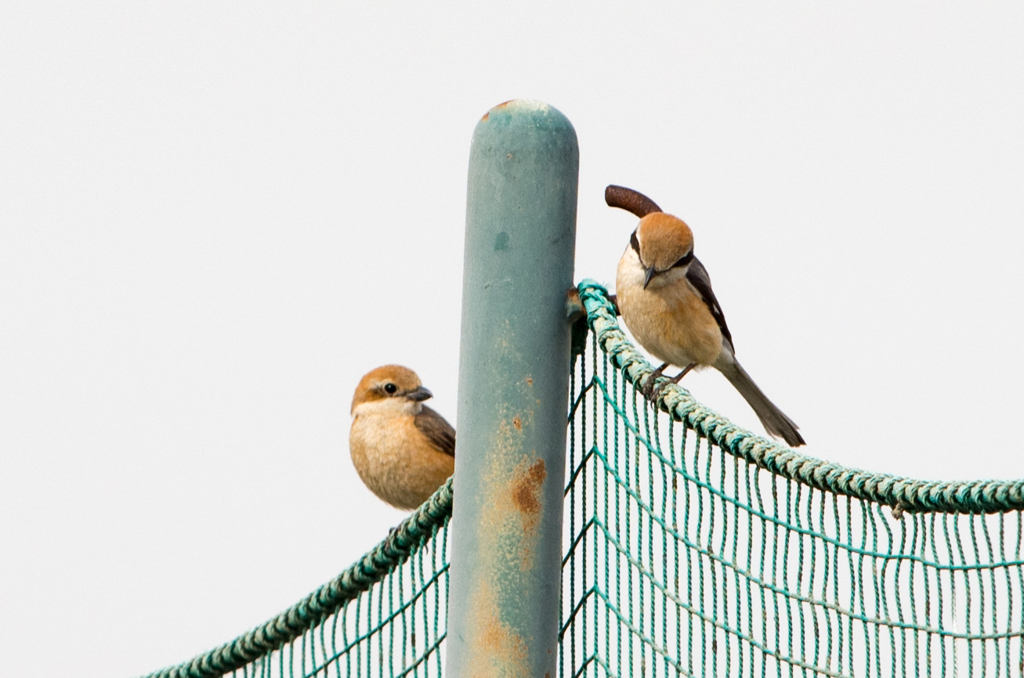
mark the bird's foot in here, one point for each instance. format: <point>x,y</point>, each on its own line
<point>648,390</point>
<point>614,299</point>
<point>652,392</point>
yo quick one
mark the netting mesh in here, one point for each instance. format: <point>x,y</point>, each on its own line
<point>394,628</point>
<point>693,548</point>
<point>684,559</point>
<point>384,616</point>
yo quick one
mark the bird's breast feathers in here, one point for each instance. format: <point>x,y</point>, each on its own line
<point>393,457</point>
<point>669,318</point>
<point>385,429</point>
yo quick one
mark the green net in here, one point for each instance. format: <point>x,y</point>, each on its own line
<point>384,616</point>
<point>694,548</point>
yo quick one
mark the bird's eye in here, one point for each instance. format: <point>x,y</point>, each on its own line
<point>634,243</point>
<point>685,260</point>
<point>390,388</point>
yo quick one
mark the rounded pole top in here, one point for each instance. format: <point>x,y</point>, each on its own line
<point>524,113</point>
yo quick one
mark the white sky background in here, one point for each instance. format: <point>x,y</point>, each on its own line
<point>215,217</point>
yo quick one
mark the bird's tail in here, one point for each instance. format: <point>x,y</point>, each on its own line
<point>772,418</point>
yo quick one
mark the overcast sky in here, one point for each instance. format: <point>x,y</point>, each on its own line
<point>215,217</point>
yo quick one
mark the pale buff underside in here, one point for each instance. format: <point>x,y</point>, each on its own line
<point>669,318</point>
<point>393,457</point>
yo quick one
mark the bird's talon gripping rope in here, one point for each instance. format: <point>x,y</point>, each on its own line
<point>648,390</point>
<point>615,304</point>
<point>656,392</point>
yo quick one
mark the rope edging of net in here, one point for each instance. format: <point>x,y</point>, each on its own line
<point>977,496</point>
<point>405,540</point>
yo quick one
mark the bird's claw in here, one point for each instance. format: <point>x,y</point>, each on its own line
<point>650,390</point>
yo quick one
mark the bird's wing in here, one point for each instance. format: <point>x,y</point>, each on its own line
<point>698,276</point>
<point>438,431</point>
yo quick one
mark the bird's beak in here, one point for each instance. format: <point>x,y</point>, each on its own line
<point>419,395</point>
<point>647,278</point>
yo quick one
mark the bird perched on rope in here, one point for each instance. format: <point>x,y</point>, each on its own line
<point>665,297</point>
<point>402,449</point>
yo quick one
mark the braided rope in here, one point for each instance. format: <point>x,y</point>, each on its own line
<point>977,496</point>
<point>405,540</point>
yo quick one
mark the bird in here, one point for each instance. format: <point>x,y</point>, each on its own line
<point>402,450</point>
<point>665,297</point>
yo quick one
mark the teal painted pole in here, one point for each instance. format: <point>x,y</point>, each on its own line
<point>513,395</point>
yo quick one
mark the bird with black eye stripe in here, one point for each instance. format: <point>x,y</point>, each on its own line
<point>665,297</point>
<point>402,450</point>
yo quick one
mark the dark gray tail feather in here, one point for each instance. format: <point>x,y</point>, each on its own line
<point>772,418</point>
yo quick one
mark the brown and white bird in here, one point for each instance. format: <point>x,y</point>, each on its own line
<point>402,449</point>
<point>665,297</point>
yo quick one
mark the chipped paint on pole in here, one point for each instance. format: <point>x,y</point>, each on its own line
<point>513,394</point>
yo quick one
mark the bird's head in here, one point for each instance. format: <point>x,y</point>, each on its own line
<point>390,382</point>
<point>663,243</point>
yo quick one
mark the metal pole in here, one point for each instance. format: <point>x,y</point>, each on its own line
<point>513,394</point>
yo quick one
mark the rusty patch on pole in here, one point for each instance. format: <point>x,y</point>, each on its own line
<point>512,521</point>
<point>526,491</point>
<point>496,108</point>
<point>501,652</point>
<point>526,499</point>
